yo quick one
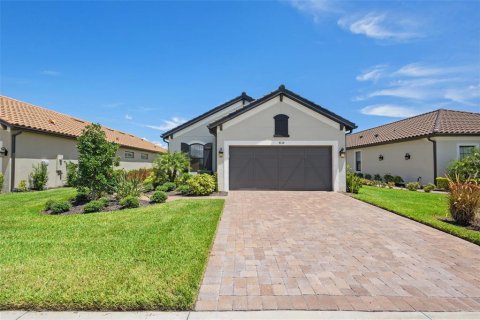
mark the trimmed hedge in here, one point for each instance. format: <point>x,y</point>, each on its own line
<point>158,197</point>
<point>442,183</point>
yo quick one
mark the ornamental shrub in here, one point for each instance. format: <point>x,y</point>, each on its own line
<point>398,180</point>
<point>388,178</point>
<point>169,166</point>
<point>72,174</point>
<point>39,177</point>
<point>48,204</point>
<point>466,169</point>
<point>413,186</point>
<point>80,198</point>
<point>170,186</point>
<point>2,179</point>
<point>442,183</point>
<point>96,160</point>
<point>359,174</point>
<point>94,206</point>
<point>429,187</point>
<point>377,177</point>
<point>201,185</point>
<point>59,207</point>
<point>22,186</point>
<point>354,182</point>
<point>464,201</point>
<point>126,185</point>
<point>390,184</point>
<point>184,189</point>
<point>158,197</point>
<point>105,201</point>
<point>368,176</point>
<point>130,202</point>
<point>162,188</point>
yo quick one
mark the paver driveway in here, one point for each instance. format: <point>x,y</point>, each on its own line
<point>327,251</point>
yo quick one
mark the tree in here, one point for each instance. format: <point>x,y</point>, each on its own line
<point>467,168</point>
<point>96,161</point>
<point>170,165</point>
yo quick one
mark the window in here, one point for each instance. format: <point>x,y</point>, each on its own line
<point>196,156</point>
<point>144,156</point>
<point>281,125</point>
<point>129,155</point>
<point>464,151</point>
<point>358,161</point>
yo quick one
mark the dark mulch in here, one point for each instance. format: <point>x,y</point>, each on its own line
<point>474,227</point>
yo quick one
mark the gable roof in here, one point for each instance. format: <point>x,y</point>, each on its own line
<point>20,114</point>
<point>242,97</point>
<point>282,91</point>
<point>438,122</point>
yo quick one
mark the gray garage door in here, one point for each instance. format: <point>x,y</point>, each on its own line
<point>281,168</point>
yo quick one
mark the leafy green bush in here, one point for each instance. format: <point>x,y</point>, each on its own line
<point>72,174</point>
<point>184,189</point>
<point>48,204</point>
<point>442,183</point>
<point>398,180</point>
<point>464,201</point>
<point>388,178</point>
<point>80,197</point>
<point>368,176</point>
<point>413,186</point>
<point>126,185</point>
<point>93,206</point>
<point>59,207</point>
<point>466,169</point>
<point>377,177</point>
<point>390,184</point>
<point>201,184</point>
<point>169,166</point>
<point>22,186</point>
<point>39,176</point>
<point>170,186</point>
<point>359,174</point>
<point>429,187</point>
<point>96,159</point>
<point>148,186</point>
<point>1,181</point>
<point>130,202</point>
<point>158,197</point>
<point>105,201</point>
<point>354,182</point>
<point>162,188</point>
<point>183,178</point>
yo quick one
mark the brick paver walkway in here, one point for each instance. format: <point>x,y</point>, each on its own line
<point>327,251</point>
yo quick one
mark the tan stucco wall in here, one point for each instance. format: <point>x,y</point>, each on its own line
<point>419,165</point>
<point>305,125</point>
<point>33,148</point>
<point>448,148</point>
<point>199,133</point>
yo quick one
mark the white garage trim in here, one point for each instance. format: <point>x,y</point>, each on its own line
<point>331,143</point>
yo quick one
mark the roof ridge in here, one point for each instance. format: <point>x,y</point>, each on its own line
<point>397,121</point>
<point>436,125</point>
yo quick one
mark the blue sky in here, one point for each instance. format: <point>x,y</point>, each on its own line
<point>143,67</point>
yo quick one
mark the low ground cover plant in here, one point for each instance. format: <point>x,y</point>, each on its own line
<point>94,206</point>
<point>413,186</point>
<point>429,187</point>
<point>130,202</point>
<point>158,197</point>
<point>58,207</point>
<point>22,186</point>
<point>442,183</point>
<point>1,182</point>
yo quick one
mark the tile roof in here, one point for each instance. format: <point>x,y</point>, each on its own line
<point>24,115</point>
<point>438,122</point>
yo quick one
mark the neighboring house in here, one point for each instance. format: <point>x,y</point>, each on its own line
<point>279,142</point>
<point>419,148</point>
<point>30,135</point>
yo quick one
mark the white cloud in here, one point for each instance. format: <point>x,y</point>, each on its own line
<point>420,70</point>
<point>380,26</point>
<point>316,8</point>
<point>401,92</point>
<point>388,110</point>
<point>372,74</point>
<point>168,124</point>
<point>52,73</point>
<point>128,117</point>
<point>469,96</point>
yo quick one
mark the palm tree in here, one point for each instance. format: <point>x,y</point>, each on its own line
<point>171,165</point>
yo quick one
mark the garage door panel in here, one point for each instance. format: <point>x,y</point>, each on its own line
<point>281,168</point>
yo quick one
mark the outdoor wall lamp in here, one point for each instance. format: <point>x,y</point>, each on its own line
<point>220,152</point>
<point>407,156</point>
<point>380,157</point>
<point>342,153</point>
<point>3,152</point>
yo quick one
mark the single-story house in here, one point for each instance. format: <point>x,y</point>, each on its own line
<point>281,141</point>
<point>30,135</point>
<point>419,148</point>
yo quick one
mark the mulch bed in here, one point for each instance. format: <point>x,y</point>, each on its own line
<point>475,226</point>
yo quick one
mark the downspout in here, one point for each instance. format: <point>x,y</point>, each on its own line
<point>167,142</point>
<point>14,151</point>
<point>434,159</point>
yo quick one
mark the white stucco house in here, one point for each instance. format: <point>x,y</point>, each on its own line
<point>31,134</point>
<point>419,148</point>
<point>280,141</point>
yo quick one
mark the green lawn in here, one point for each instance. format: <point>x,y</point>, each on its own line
<point>426,208</point>
<point>147,258</point>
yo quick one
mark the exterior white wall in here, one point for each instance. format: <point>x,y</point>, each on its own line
<point>419,165</point>
<point>199,133</point>
<point>305,127</point>
<point>5,141</point>
<point>33,148</point>
<point>448,150</point>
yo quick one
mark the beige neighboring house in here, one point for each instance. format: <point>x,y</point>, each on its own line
<point>419,148</point>
<point>30,135</point>
<point>281,141</point>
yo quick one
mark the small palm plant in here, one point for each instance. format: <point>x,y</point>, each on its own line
<point>170,165</point>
